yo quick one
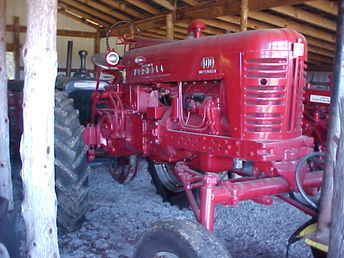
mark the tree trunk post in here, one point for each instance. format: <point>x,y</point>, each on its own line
<point>336,247</point>
<point>335,149</point>
<point>325,215</point>
<point>37,146</point>
<point>5,162</point>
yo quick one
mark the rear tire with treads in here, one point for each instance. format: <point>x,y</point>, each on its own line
<point>71,167</point>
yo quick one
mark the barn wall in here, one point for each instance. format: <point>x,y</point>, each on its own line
<point>18,8</point>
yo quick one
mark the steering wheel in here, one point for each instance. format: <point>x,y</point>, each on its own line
<point>125,39</point>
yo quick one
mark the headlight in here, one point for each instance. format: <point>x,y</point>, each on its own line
<point>112,58</point>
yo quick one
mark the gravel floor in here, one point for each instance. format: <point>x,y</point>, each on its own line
<point>119,215</point>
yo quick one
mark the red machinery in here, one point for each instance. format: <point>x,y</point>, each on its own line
<point>316,113</point>
<point>202,108</point>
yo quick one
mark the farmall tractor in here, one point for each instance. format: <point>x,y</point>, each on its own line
<point>219,120</point>
<point>317,108</point>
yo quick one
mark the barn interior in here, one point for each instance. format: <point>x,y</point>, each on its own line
<point>119,214</point>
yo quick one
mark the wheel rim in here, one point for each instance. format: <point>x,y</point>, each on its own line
<point>167,178</point>
<point>125,170</point>
<point>165,255</point>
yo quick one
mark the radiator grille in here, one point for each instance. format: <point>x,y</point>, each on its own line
<point>264,94</point>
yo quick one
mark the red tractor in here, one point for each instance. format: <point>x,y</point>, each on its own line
<point>317,108</point>
<point>201,110</point>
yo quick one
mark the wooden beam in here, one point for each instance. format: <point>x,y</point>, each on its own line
<point>224,7</point>
<point>16,46</point>
<point>220,25</point>
<point>169,26</point>
<point>320,59</point>
<point>325,6</point>
<point>253,24</point>
<point>74,33</point>
<point>97,43</point>
<point>321,44</point>
<point>319,67</point>
<point>283,22</point>
<point>164,3</point>
<point>320,51</point>
<point>143,6</point>
<point>161,31</point>
<point>123,8</point>
<point>82,14</point>
<point>234,22</point>
<point>142,25</point>
<point>243,15</point>
<point>152,35</point>
<point>191,2</point>
<point>63,33</point>
<point>302,15</point>
<point>209,10</point>
<point>89,10</point>
<point>80,19</point>
<point>208,30</point>
<point>106,10</point>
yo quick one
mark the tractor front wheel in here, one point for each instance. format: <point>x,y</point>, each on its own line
<point>179,239</point>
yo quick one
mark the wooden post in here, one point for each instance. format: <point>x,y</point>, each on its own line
<point>169,26</point>
<point>333,218</point>
<point>97,43</point>
<point>37,146</point>
<point>132,29</point>
<point>336,248</point>
<point>5,163</point>
<point>16,44</point>
<point>244,15</point>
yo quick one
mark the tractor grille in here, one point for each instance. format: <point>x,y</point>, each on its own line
<point>264,94</point>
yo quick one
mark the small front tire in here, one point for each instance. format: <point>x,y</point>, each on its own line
<point>180,239</point>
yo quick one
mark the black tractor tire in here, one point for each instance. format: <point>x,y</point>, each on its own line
<point>71,167</point>
<point>167,187</point>
<point>179,238</point>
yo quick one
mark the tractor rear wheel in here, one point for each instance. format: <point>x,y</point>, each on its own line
<point>179,239</point>
<point>71,167</point>
<point>167,185</point>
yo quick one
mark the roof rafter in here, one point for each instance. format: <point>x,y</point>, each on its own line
<point>283,22</point>
<point>210,10</point>
<point>106,10</point>
<point>77,18</point>
<point>166,4</point>
<point>89,10</point>
<point>83,14</point>
<point>325,6</point>
<point>254,24</point>
<point>225,7</point>
<point>142,5</point>
<point>123,8</point>
<point>191,2</point>
<point>306,16</point>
